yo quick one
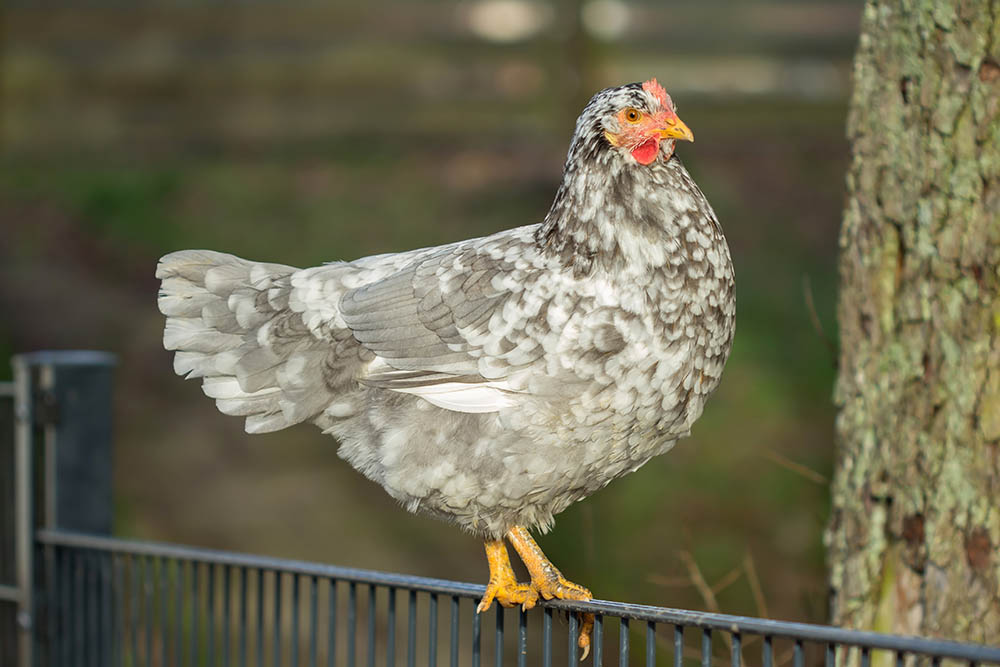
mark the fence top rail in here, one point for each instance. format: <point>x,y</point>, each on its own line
<point>706,620</point>
<point>66,358</point>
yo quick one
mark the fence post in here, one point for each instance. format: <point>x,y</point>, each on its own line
<point>62,406</point>
<point>9,593</point>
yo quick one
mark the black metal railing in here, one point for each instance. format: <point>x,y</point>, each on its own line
<point>126,602</point>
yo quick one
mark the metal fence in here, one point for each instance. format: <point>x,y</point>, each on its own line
<point>124,602</point>
<point>91,599</point>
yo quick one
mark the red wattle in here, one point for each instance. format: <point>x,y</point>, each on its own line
<point>646,152</point>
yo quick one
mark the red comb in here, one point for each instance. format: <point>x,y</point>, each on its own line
<point>658,92</point>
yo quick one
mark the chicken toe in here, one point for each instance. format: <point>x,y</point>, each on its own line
<point>503,585</point>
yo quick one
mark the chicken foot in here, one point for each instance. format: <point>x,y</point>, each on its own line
<point>503,585</point>
<point>549,581</point>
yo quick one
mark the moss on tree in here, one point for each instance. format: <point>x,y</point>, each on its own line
<point>914,538</point>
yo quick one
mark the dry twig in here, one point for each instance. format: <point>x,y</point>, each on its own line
<point>798,468</point>
<point>814,318</point>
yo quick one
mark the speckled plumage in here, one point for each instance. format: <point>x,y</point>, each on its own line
<point>495,381</point>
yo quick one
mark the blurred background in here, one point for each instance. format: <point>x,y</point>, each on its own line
<point>302,132</point>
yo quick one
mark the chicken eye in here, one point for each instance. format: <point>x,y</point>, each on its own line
<point>632,115</point>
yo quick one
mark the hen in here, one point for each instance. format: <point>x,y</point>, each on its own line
<point>495,381</point>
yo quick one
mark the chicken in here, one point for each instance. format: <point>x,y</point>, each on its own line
<point>490,382</point>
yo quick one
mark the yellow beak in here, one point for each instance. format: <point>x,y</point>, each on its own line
<point>676,129</point>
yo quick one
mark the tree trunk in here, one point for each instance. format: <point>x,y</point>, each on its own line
<point>915,528</point>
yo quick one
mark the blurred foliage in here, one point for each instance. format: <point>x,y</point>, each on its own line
<point>307,133</point>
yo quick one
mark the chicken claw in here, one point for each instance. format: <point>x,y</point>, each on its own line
<point>503,585</point>
<point>586,627</point>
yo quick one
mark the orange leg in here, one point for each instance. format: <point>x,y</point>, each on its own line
<point>503,586</point>
<point>549,581</point>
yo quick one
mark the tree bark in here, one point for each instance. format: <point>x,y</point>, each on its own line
<point>915,528</point>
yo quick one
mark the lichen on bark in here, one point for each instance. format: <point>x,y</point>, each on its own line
<point>915,529</point>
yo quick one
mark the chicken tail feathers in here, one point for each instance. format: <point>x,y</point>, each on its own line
<point>231,323</point>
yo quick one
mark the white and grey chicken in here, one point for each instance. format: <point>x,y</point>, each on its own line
<point>495,381</point>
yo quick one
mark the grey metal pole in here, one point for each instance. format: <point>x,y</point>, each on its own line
<point>74,402</point>
<point>23,510</point>
<point>64,396</point>
<point>8,567</point>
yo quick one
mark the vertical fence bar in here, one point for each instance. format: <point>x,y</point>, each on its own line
<point>331,625</point>
<point>800,654</point>
<point>79,613</point>
<point>650,644</point>
<point>133,608</point>
<point>432,630</point>
<point>522,638</point>
<point>210,613</point>
<point>371,625</point>
<point>210,604</point>
<point>118,582</point>
<point>737,650</point>
<point>56,610</point>
<point>106,593</point>
<point>73,615</point>
<point>79,605</point>
<point>277,619</point>
<point>179,615</point>
<point>86,656</point>
<point>24,510</point>
<point>164,612</point>
<point>9,634</point>
<point>313,618</point>
<point>93,595</point>
<point>678,646</point>
<point>295,619</point>
<point>830,656</point>
<point>195,604</point>
<point>226,641</point>
<point>107,614</point>
<point>147,596</point>
<point>242,603</point>
<point>498,656</point>
<point>260,617</point>
<point>454,632</point>
<point>547,637</point>
<point>623,643</point>
<point>411,630</point>
<point>768,651</point>
<point>352,624</point>
<point>390,642</point>
<point>62,576</point>
<point>477,630</point>
<point>598,640</point>
<point>866,658</point>
<point>572,637</point>
<point>85,623</point>
<point>706,648</point>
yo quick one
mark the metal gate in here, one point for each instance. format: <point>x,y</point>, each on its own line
<point>70,594</point>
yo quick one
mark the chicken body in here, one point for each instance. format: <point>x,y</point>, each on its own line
<point>495,381</point>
